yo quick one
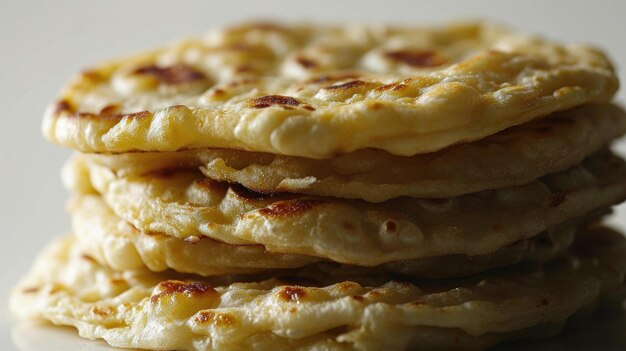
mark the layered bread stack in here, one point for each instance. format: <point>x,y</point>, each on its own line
<point>335,187</point>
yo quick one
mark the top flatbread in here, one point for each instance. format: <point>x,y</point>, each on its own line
<point>317,91</point>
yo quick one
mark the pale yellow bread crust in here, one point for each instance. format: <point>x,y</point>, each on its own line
<point>317,91</point>
<point>115,243</point>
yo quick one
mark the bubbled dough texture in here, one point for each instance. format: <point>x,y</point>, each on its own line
<point>146,310</point>
<point>115,243</point>
<point>316,91</point>
<point>515,156</point>
<point>186,204</point>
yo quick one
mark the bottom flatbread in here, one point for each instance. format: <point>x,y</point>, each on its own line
<point>313,310</point>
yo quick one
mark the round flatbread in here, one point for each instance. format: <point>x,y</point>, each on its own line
<point>515,156</point>
<point>115,243</point>
<point>186,204</point>
<point>317,91</point>
<point>312,310</point>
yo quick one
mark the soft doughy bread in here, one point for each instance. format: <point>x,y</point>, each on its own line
<point>185,204</point>
<point>316,310</point>
<point>114,243</point>
<point>512,157</point>
<point>316,91</point>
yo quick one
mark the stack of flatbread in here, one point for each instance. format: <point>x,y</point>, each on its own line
<point>320,187</point>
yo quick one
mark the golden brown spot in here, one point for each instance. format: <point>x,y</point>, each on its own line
<point>30,290</point>
<point>348,85</point>
<point>390,226</point>
<point>63,106</point>
<point>346,286</point>
<point>88,258</point>
<point>118,281</point>
<point>289,208</point>
<point>386,87</point>
<point>110,110</point>
<point>556,198</point>
<point>358,298</point>
<point>220,319</point>
<point>218,92</point>
<point>377,106</point>
<point>172,75</point>
<point>102,311</point>
<point>305,62</point>
<point>93,76</point>
<point>270,100</point>
<point>392,87</point>
<point>417,58</point>
<point>171,287</point>
<point>291,294</point>
<point>400,86</point>
<point>293,310</point>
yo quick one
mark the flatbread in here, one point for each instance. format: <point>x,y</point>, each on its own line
<point>316,310</point>
<point>113,242</point>
<point>316,91</point>
<point>186,204</point>
<point>515,156</point>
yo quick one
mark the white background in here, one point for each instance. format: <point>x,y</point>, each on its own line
<point>42,43</point>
